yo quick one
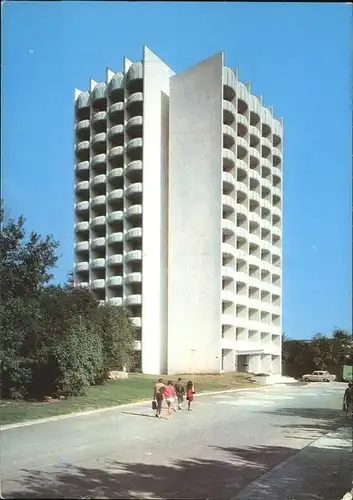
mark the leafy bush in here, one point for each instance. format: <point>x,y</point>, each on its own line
<point>55,339</point>
<point>20,320</point>
<point>79,359</point>
<point>118,334</point>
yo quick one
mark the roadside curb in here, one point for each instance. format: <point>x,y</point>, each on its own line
<point>65,416</point>
<point>251,487</point>
<point>270,472</point>
<point>348,496</point>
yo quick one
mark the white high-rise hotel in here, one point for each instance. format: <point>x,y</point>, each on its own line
<point>178,213</point>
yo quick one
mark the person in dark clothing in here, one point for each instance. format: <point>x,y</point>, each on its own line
<point>348,398</point>
<point>158,396</point>
<point>180,392</point>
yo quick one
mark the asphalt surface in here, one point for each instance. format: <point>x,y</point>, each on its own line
<point>227,443</point>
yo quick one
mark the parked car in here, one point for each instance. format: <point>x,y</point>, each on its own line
<point>319,376</point>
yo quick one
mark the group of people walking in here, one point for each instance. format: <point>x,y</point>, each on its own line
<point>173,395</point>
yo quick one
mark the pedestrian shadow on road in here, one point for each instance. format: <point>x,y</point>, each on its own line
<point>138,414</point>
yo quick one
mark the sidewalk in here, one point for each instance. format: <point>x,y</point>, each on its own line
<point>320,471</point>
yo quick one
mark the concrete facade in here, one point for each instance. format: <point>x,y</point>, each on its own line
<point>195,216</point>
<point>178,213</point>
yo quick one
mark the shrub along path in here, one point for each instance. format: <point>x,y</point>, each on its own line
<point>135,388</point>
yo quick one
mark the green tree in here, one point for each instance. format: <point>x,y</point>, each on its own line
<point>64,302</point>
<point>25,267</point>
<point>329,352</point>
<point>118,335</point>
<point>26,263</point>
<point>55,339</point>
<point>78,355</point>
<point>342,346</point>
<point>297,357</point>
<point>20,319</point>
<point>67,335</point>
<point>321,347</point>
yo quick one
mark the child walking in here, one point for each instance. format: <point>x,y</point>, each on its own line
<point>189,394</point>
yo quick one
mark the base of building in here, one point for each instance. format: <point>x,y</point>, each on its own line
<point>274,379</point>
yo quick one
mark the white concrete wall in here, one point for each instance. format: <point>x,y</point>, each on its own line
<point>165,233</point>
<point>228,362</point>
<point>155,231</point>
<point>266,363</point>
<point>277,364</point>
<point>254,365</point>
<point>195,213</point>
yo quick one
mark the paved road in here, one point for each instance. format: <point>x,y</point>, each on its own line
<point>227,442</point>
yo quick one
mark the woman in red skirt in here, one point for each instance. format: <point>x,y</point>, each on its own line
<point>189,394</point>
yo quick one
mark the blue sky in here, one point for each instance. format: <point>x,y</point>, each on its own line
<point>296,55</point>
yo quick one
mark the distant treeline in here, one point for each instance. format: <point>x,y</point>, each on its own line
<point>321,352</point>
